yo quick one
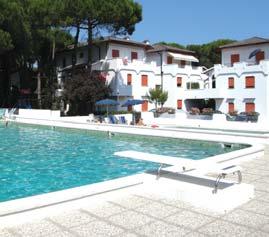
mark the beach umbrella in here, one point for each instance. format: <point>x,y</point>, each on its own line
<point>253,53</point>
<point>107,103</point>
<point>132,102</point>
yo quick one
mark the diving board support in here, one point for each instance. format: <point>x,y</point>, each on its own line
<point>159,171</point>
<point>219,169</point>
<point>233,169</point>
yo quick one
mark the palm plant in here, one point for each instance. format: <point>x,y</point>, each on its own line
<point>157,96</point>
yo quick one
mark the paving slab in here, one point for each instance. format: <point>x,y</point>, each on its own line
<point>224,228</point>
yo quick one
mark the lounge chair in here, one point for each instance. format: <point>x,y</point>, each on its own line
<point>90,118</point>
<point>112,119</point>
<point>185,165</point>
<point>122,120</point>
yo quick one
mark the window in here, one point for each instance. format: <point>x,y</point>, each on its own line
<point>235,58</point>
<point>250,107</point>
<point>179,104</point>
<point>157,87</point>
<point>129,79</point>
<point>250,82</point>
<point>179,81</point>
<point>134,55</point>
<point>144,80</point>
<point>230,107</point>
<point>81,55</point>
<point>183,63</point>
<point>169,60</point>
<point>230,82</point>
<point>115,53</point>
<point>64,62</point>
<point>259,56</point>
<point>130,108</point>
<point>193,85</point>
<point>214,84</point>
<point>145,106</point>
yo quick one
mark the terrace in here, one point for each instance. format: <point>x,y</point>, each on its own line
<point>148,214</point>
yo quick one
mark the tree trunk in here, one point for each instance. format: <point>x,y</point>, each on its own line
<point>39,90</point>
<point>74,52</point>
<point>90,41</point>
<point>6,82</point>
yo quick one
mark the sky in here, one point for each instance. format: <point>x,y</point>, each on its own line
<point>202,21</point>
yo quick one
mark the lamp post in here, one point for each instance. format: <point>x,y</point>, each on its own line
<point>118,97</point>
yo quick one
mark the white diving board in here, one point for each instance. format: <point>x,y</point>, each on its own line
<point>185,164</point>
<point>161,159</point>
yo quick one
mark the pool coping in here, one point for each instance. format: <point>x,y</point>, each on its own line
<point>18,206</point>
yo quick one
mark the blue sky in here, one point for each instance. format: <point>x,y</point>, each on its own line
<point>202,21</point>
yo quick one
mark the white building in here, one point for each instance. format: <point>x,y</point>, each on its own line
<point>132,68</point>
<point>240,83</point>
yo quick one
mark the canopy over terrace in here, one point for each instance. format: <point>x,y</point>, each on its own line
<point>183,57</point>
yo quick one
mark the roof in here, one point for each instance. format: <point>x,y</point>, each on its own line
<point>125,41</point>
<point>161,47</point>
<point>250,41</point>
<point>122,41</point>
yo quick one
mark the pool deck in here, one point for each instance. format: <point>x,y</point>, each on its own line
<point>144,214</point>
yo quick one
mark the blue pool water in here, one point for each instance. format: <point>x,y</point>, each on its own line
<point>35,160</point>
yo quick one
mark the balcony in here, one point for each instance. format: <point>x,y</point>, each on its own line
<point>204,94</point>
<point>240,67</point>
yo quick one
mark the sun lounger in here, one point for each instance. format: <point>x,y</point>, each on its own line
<point>112,119</point>
<point>90,118</point>
<point>185,165</point>
<point>122,120</point>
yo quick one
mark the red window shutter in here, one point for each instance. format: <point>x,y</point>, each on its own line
<point>115,53</point>
<point>129,79</point>
<point>230,82</point>
<point>179,104</point>
<point>169,60</point>
<point>235,58</point>
<point>144,80</point>
<point>134,55</point>
<point>260,56</point>
<point>231,107</point>
<point>250,82</point>
<point>145,106</point>
<point>250,107</point>
<point>179,81</point>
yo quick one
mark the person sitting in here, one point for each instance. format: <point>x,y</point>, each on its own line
<point>140,122</point>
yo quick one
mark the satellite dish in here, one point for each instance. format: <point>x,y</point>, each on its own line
<point>254,53</point>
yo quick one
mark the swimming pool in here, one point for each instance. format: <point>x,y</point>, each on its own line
<point>36,160</point>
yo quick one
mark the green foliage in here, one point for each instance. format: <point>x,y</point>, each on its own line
<point>83,90</point>
<point>173,44</point>
<point>209,54</point>
<point>157,96</point>
<point>5,41</point>
<point>163,97</point>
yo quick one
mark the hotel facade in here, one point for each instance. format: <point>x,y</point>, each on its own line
<point>239,84</point>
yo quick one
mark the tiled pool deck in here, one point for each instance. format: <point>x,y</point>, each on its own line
<point>149,215</point>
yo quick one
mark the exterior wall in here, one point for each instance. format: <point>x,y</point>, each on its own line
<point>98,53</point>
<point>125,51</point>
<point>118,74</point>
<point>239,95</point>
<point>244,53</point>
